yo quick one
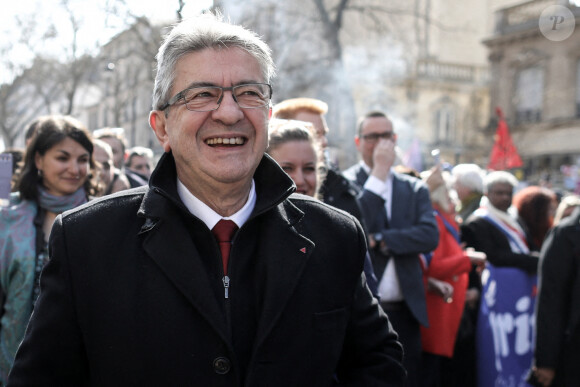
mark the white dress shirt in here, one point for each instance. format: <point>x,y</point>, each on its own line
<point>209,216</point>
<point>389,287</point>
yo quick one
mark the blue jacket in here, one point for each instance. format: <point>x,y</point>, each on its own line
<point>17,263</point>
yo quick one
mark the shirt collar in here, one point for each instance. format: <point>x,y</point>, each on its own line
<point>209,216</point>
<point>365,167</point>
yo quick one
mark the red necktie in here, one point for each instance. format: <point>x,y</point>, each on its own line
<point>224,231</point>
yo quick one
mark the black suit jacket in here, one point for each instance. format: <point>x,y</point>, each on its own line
<point>483,236</point>
<point>557,328</point>
<point>133,296</point>
<point>412,230</point>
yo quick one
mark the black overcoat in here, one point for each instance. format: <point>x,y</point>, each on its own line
<point>558,306</point>
<point>133,296</point>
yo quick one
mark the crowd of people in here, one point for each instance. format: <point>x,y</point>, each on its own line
<point>245,256</point>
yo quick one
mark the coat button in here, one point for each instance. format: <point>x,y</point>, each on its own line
<point>222,365</point>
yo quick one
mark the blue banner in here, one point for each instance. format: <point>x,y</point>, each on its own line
<point>504,327</point>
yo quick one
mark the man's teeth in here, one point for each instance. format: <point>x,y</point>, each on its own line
<point>226,141</point>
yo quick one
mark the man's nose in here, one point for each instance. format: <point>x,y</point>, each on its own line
<point>228,112</point>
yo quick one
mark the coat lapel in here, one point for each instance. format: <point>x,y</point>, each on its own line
<point>361,176</point>
<point>287,252</point>
<point>399,203</point>
<point>172,249</point>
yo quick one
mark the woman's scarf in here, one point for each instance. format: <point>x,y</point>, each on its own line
<point>58,204</point>
<point>506,224</point>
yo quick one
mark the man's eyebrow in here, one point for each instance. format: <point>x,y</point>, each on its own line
<point>205,84</point>
<point>199,84</point>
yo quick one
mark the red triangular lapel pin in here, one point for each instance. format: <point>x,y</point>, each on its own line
<point>303,250</point>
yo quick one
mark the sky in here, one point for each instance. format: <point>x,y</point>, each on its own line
<point>96,28</point>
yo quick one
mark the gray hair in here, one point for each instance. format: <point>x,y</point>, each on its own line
<point>199,33</point>
<point>499,177</point>
<point>470,176</point>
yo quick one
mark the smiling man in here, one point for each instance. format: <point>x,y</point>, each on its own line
<point>144,288</point>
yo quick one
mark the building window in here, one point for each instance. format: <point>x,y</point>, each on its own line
<point>445,125</point>
<point>529,94</point>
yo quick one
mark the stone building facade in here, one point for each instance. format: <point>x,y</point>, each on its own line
<point>536,81</point>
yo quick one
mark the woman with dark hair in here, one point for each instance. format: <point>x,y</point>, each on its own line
<point>536,208</point>
<point>57,176</point>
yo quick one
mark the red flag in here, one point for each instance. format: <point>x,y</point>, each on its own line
<point>504,154</point>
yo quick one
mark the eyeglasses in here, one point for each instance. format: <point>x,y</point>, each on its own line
<point>208,98</point>
<point>373,137</point>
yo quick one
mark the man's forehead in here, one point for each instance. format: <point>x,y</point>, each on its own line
<point>211,66</point>
<point>501,187</point>
<point>101,154</point>
<point>377,123</point>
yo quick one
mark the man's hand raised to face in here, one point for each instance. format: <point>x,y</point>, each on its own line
<point>383,158</point>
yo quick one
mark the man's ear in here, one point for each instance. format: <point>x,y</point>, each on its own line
<point>270,112</point>
<point>157,121</point>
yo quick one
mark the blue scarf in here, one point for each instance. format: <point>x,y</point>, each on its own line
<point>58,204</point>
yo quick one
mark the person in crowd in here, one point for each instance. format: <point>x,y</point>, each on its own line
<point>274,295</point>
<point>115,137</point>
<point>293,145</point>
<point>535,207</point>
<point>556,328</point>
<point>400,221</point>
<point>335,189</point>
<point>447,276</point>
<point>57,176</point>
<point>468,184</point>
<point>17,156</point>
<point>508,284</point>
<point>111,180</point>
<point>139,165</point>
<point>566,206</point>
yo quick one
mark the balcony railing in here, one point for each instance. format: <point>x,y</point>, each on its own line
<point>434,70</point>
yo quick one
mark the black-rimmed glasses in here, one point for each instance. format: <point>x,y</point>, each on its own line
<point>372,137</point>
<point>208,98</point>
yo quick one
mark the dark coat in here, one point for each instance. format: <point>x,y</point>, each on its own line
<point>341,193</point>
<point>558,305</point>
<point>133,296</point>
<point>412,230</point>
<point>482,235</point>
